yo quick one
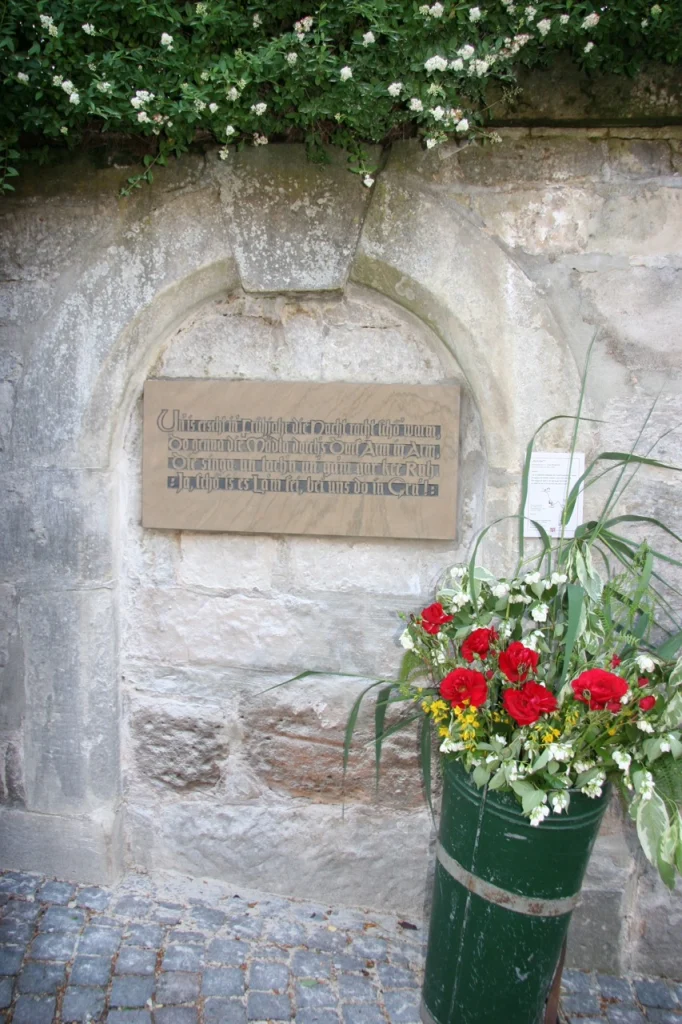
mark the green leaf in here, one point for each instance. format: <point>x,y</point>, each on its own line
<point>425,757</point>
<point>576,596</point>
<point>498,780</point>
<point>379,721</point>
<point>652,823</point>
<point>666,854</point>
<point>672,713</point>
<point>481,775</point>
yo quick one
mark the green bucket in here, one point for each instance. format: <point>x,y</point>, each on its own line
<point>503,896</point>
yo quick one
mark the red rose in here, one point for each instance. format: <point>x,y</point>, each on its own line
<point>518,661</point>
<point>615,661</point>
<point>527,704</point>
<point>478,643</point>
<point>600,689</point>
<point>434,617</point>
<point>464,684</point>
<point>647,703</point>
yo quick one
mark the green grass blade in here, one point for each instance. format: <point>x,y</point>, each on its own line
<point>352,722</point>
<point>669,649</point>
<point>425,757</point>
<point>576,596</point>
<point>379,723</point>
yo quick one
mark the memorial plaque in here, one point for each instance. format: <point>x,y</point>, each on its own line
<point>352,460</point>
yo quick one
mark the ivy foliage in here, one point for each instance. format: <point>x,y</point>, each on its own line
<point>346,72</point>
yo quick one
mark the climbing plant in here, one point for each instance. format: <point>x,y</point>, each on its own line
<point>346,72</point>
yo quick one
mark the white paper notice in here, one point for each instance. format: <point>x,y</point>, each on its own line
<point>547,492</point>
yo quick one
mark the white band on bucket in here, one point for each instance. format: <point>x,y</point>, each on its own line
<point>503,898</point>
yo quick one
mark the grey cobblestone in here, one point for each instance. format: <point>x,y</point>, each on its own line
<point>82,1004</point>
<point>128,955</point>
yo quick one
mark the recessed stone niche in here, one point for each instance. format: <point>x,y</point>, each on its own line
<point>224,775</point>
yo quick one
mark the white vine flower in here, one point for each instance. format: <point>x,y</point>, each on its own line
<point>449,746</point>
<point>213,107</point>
<point>260,140</point>
<point>143,117</point>
<point>558,577</point>
<point>645,663</point>
<point>45,20</point>
<point>560,802</point>
<point>345,73</point>
<point>646,786</point>
<point>232,94</point>
<point>258,108</point>
<point>22,77</point>
<point>588,47</point>
<point>564,19</point>
<point>430,143</point>
<point>437,113</point>
<point>291,58</point>
<point>436,10</point>
<point>560,751</point>
<point>416,104</point>
<point>530,12</point>
<point>479,67</point>
<point>590,21</point>
<point>256,20</point>
<point>539,612</point>
<point>230,130</point>
<point>224,153</point>
<point>462,126</point>
<point>665,746</point>
<point>74,98</point>
<point>538,814</point>
<point>457,64</point>
<point>644,726</point>
<point>544,26</point>
<point>167,41</point>
<point>466,52</point>
<point>622,759</point>
<point>395,88</point>
<point>474,14</point>
<point>68,86</point>
<point>594,787</point>
<point>105,87</point>
<point>64,130</point>
<point>500,590</point>
<point>88,28</point>
<point>406,640</point>
<point>368,39</point>
<point>368,181</point>
<point>436,64</point>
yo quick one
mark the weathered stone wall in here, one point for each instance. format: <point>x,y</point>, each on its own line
<point>134,726</point>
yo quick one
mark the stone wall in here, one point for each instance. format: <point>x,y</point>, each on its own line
<point>135,726</point>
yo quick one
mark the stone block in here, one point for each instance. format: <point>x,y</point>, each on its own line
<point>227,561</point>
<point>34,1010</point>
<point>41,978</point>
<point>293,224</point>
<point>177,987</point>
<point>135,960</point>
<point>82,1004</point>
<point>266,1006</point>
<point>90,970</point>
<point>224,1011</point>
<point>656,939</point>
<point>294,743</point>
<point>181,747</point>
<point>57,528</point>
<point>129,991</point>
<point>223,982</point>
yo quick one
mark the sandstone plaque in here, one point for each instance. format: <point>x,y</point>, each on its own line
<point>352,460</point>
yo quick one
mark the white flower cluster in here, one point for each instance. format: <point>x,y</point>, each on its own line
<point>544,26</point>
<point>538,814</point>
<point>590,21</point>
<point>594,787</point>
<point>233,94</point>
<point>71,91</point>
<point>560,802</point>
<point>291,58</point>
<point>88,28</point>
<point>416,104</point>
<point>47,22</point>
<point>256,20</point>
<point>167,41</point>
<point>622,759</point>
<point>140,99</point>
<point>259,140</point>
<point>259,108</point>
<point>303,26</point>
<point>345,73</point>
<point>560,751</point>
<point>22,77</point>
<point>475,14</point>
<point>395,88</point>
<point>368,39</point>
<point>435,11</point>
<point>646,786</point>
<point>449,746</point>
<point>368,181</point>
<point>435,64</point>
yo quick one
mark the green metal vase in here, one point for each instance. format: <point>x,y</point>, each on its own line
<point>503,896</point>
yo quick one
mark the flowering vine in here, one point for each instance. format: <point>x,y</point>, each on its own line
<point>346,73</point>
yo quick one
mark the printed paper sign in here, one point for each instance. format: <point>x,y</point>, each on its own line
<point>548,489</point>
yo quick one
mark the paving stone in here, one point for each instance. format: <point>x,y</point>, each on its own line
<point>624,1015</point>
<point>93,898</point>
<point>208,917</point>
<point>5,992</point>
<point>584,1020</point>
<point>270,952</point>
<point>135,960</point>
<point>343,962</point>
<point>34,1010</point>
<point>60,893</point>
<point>574,982</point>
<point>53,945</point>
<point>367,945</point>
<point>403,1006</point>
<point>396,977</point>
<point>265,1006</point>
<point>168,913</point>
<point>15,932</point>
<point>317,1017</point>
<point>129,1017</point>
<point>266,976</point>
<point>586,1003</point>
<point>612,987</point>
<point>224,1011</point>
<point>176,1015</point>
<point>16,883</point>
<point>82,1004</point>
<point>223,981</point>
<point>311,965</point>
<point>362,1013</point>
<point>99,941</point>
<point>62,919</point>
<point>318,995</point>
<point>659,1016</point>
<point>227,951</point>
<point>330,942</point>
<point>177,987</point>
<point>183,938</point>
<point>132,906</point>
<point>41,979</point>
<point>656,994</point>
<point>357,988</point>
<point>150,935</point>
<point>246,927</point>
<point>183,958</point>
<point>287,933</point>
<point>131,990</point>
<point>21,910</point>
<point>91,970</point>
<point>10,959</point>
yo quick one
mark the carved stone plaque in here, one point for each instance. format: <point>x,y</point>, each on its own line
<point>352,460</point>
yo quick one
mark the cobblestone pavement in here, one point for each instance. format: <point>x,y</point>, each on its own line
<point>181,951</point>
